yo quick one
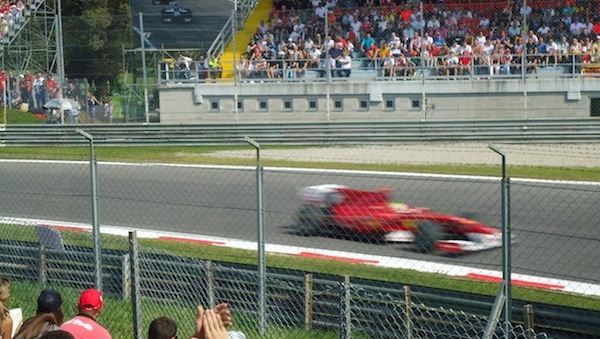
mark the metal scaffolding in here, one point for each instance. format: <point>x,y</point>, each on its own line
<point>31,42</point>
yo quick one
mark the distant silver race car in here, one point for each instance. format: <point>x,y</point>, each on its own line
<point>177,14</point>
<point>164,2</point>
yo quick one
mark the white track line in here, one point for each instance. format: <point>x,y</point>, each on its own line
<point>381,261</point>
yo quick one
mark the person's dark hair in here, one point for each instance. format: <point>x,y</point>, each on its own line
<point>60,334</point>
<point>162,328</point>
<point>34,326</point>
<point>49,312</point>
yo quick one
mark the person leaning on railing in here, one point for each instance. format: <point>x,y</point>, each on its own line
<point>215,68</point>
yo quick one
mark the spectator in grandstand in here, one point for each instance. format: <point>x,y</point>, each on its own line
<point>201,68</point>
<point>586,51</point>
<point>345,64</point>
<point>3,26</point>
<point>533,58</point>
<point>335,53</point>
<point>260,67</point>
<point>366,42</point>
<point>506,61</point>
<point>575,51</point>
<point>6,322</point>
<point>552,52</point>
<point>542,50</point>
<point>314,57</point>
<point>371,56</point>
<point>433,23</point>
<point>486,57</point>
<point>438,39</point>
<point>273,67</point>
<point>564,48</point>
<point>389,66</point>
<point>84,325</point>
<point>465,63</point>
<point>301,62</point>
<point>48,317</point>
<point>452,64</point>
<point>596,50</point>
<point>290,63</point>
<point>415,44</point>
<point>20,6</point>
<point>57,335</point>
<point>405,67</point>
<point>543,30</point>
<point>214,67</point>
<point>183,64</point>
<point>440,54</point>
<point>263,28</point>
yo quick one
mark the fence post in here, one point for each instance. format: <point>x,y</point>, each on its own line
<point>529,323</point>
<point>345,309</point>
<point>260,234</point>
<point>210,283</point>
<point>308,301</point>
<point>95,223</point>
<point>126,277</point>
<point>43,277</point>
<point>136,303</point>
<point>506,241</point>
<point>408,311</point>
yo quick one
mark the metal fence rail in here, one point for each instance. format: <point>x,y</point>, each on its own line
<point>507,131</point>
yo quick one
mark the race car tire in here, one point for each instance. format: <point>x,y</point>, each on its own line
<point>308,222</point>
<point>426,235</point>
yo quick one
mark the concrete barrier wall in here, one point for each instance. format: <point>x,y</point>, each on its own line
<point>380,100</point>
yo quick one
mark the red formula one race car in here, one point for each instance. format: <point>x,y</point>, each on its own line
<point>342,210</point>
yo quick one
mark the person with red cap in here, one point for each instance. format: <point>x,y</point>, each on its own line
<point>85,325</point>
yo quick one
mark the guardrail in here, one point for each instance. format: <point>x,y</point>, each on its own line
<point>507,131</point>
<point>366,70</point>
<point>286,291</point>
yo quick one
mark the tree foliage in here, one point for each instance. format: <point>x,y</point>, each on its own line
<point>94,34</point>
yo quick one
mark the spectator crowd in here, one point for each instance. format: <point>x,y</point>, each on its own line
<point>31,92</point>
<point>450,38</point>
<point>11,15</point>
<point>49,323</point>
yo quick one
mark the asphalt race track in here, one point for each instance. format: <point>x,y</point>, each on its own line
<point>555,224</point>
<point>208,20</point>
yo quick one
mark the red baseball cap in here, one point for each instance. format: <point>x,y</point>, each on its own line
<point>90,299</point>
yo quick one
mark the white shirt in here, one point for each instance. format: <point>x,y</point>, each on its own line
<point>345,62</point>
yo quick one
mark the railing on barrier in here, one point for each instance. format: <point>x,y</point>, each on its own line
<point>515,131</point>
<point>381,69</point>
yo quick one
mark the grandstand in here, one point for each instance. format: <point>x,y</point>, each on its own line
<point>29,37</point>
<point>435,60</point>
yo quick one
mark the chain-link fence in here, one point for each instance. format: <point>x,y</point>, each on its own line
<point>346,257</point>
